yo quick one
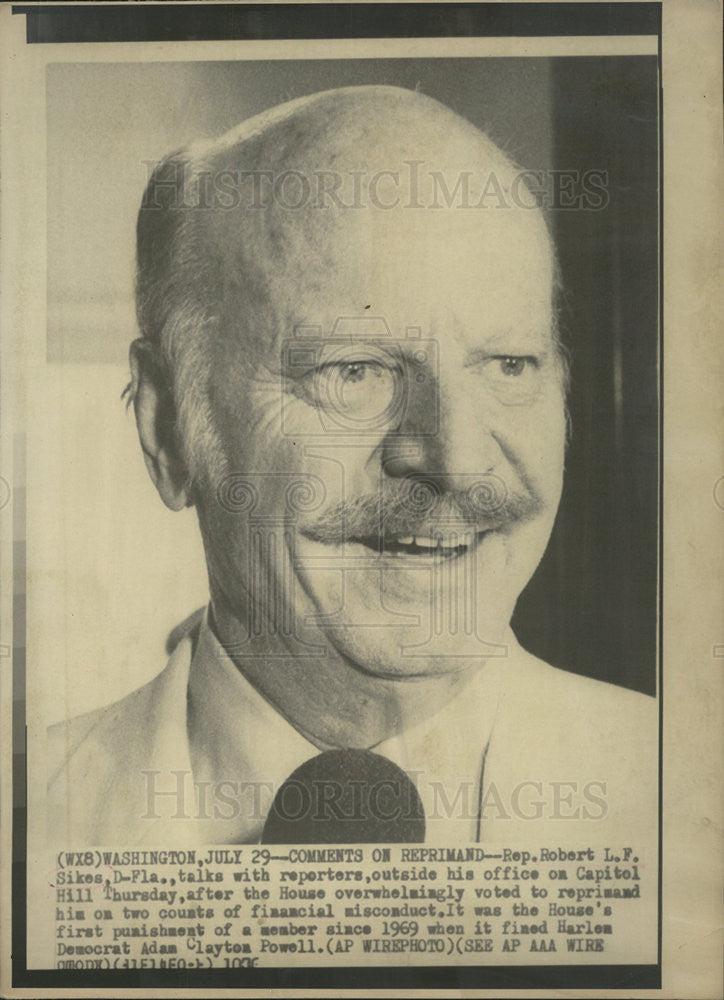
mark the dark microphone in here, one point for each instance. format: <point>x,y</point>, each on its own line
<point>346,797</point>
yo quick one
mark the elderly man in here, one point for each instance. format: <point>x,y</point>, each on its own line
<point>349,365</point>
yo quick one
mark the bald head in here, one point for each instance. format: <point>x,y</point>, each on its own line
<point>351,128</point>
<point>378,193</point>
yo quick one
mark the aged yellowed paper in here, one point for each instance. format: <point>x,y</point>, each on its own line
<point>361,478</point>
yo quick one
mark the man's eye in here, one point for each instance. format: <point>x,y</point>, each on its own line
<point>363,388</point>
<point>514,378</point>
<point>357,371</point>
<point>352,373</point>
<point>514,365</point>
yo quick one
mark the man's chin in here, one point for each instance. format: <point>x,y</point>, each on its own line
<point>403,655</point>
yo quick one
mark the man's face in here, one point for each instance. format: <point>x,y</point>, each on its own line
<point>392,414</point>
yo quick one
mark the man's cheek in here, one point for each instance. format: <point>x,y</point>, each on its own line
<point>540,441</point>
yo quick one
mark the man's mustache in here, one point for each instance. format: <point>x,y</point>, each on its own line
<point>420,507</point>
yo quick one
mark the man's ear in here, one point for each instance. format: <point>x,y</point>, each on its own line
<point>155,418</point>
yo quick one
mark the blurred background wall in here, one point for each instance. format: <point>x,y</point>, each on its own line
<point>592,605</point>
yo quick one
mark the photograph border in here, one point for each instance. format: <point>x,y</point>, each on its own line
<point>192,22</point>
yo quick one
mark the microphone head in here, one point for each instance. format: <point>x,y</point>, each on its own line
<point>346,797</point>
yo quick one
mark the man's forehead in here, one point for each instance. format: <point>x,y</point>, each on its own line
<point>461,297</point>
<point>413,267</point>
<point>405,231</point>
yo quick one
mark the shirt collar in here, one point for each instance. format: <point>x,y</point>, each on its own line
<point>242,749</point>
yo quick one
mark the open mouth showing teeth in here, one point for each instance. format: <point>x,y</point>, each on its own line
<point>423,545</point>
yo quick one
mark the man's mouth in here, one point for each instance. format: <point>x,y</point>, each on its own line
<point>437,546</point>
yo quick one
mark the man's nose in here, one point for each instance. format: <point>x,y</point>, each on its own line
<point>444,433</point>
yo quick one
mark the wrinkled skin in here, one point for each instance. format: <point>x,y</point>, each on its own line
<point>348,627</point>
